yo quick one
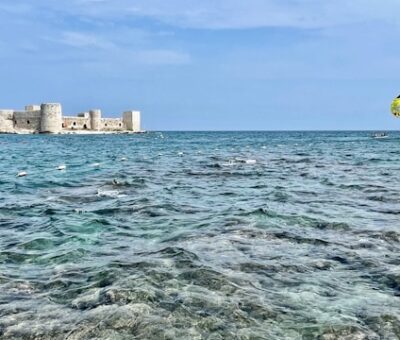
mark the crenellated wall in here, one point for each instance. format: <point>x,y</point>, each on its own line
<point>32,107</point>
<point>6,121</point>
<point>48,118</point>
<point>112,124</point>
<point>27,120</point>
<point>76,123</point>
<point>84,114</point>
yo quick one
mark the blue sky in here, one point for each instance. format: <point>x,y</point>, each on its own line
<point>207,65</point>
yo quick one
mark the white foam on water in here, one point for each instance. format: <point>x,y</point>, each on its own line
<point>61,167</point>
<point>229,163</point>
<point>22,174</point>
<point>108,193</point>
<point>251,161</point>
<point>246,161</point>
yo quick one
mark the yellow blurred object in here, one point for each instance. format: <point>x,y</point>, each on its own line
<point>396,107</point>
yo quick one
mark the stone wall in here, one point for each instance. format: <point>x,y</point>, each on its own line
<point>131,120</point>
<point>112,124</point>
<point>6,121</point>
<point>106,124</point>
<point>84,115</point>
<point>32,107</point>
<point>27,120</point>
<point>48,118</point>
<point>76,123</point>
<point>51,121</point>
<point>95,120</point>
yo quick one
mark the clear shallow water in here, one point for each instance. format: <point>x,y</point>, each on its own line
<point>184,240</point>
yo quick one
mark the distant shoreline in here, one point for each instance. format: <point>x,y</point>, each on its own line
<point>124,132</point>
<point>76,132</point>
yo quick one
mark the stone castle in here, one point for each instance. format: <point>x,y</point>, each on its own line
<point>48,118</point>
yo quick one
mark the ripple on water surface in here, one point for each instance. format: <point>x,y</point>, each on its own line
<point>246,235</point>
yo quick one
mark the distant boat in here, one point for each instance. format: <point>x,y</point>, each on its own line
<point>381,135</point>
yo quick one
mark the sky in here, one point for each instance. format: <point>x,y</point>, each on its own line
<point>209,64</point>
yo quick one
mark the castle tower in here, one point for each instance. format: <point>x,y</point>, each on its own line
<point>7,121</point>
<point>51,118</point>
<point>131,120</point>
<point>30,108</point>
<point>95,119</point>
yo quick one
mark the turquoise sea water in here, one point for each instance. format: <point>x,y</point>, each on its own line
<point>183,236</point>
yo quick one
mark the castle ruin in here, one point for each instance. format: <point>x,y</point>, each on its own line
<point>48,118</point>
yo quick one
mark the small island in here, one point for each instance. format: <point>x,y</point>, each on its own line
<point>49,118</point>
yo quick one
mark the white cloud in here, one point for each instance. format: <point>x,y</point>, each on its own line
<point>127,51</point>
<point>160,57</point>
<point>84,40</point>
<point>115,30</point>
<point>236,14</point>
<point>101,49</point>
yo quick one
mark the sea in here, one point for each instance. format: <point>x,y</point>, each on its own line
<point>200,235</point>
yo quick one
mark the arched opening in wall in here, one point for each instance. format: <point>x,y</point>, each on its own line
<point>28,122</point>
<point>15,122</point>
<point>105,124</point>
<point>74,123</point>
<point>120,124</point>
<point>84,126</point>
<point>63,125</point>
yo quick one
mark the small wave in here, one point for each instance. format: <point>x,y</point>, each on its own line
<point>108,193</point>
